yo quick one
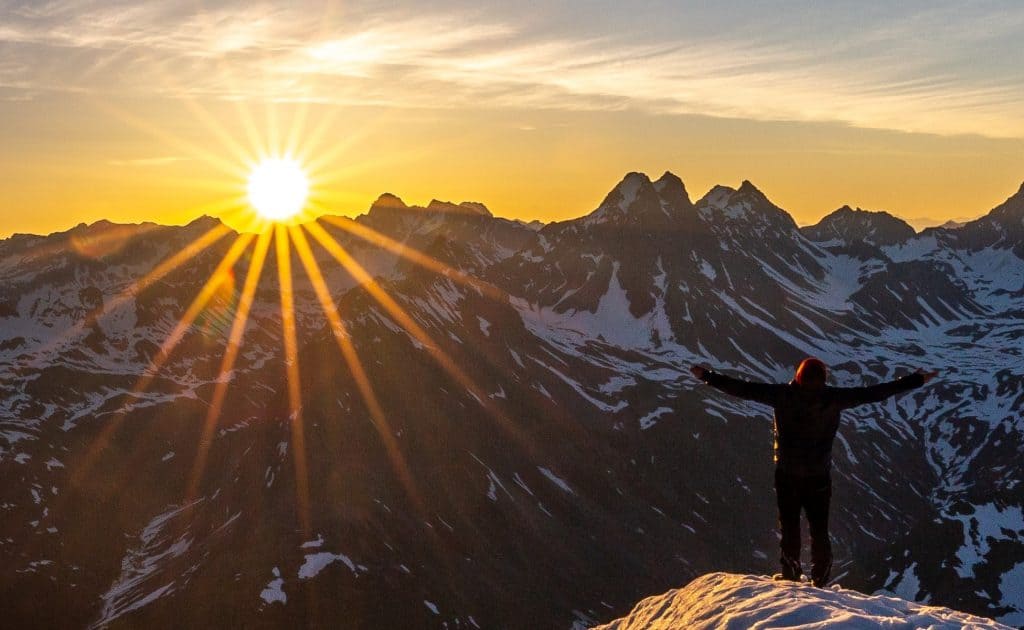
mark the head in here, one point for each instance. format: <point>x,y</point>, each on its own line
<point>811,373</point>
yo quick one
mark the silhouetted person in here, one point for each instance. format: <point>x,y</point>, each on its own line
<point>806,419</point>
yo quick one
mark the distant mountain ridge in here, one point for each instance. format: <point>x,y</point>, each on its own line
<point>538,454</point>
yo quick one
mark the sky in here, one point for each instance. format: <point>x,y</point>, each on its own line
<point>155,111</point>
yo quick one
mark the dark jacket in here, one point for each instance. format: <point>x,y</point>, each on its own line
<point>806,418</point>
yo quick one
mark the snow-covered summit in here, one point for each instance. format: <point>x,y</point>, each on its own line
<point>851,226</point>
<point>638,201</point>
<point>724,600</point>
<point>745,210</point>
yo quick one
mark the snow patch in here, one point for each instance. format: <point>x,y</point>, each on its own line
<point>555,479</point>
<point>720,601</point>
<point>273,591</point>
<point>317,562</point>
<point>651,419</point>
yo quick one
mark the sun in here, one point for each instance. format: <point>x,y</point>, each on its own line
<point>278,188</point>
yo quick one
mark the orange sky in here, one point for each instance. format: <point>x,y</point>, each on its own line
<point>149,114</point>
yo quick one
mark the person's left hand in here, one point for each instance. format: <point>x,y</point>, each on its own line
<point>927,375</point>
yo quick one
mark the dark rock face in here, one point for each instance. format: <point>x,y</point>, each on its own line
<point>852,226</point>
<point>534,453</point>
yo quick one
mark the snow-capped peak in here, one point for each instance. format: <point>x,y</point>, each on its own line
<point>673,191</point>
<point>628,197</point>
<point>718,197</point>
<point>627,190</point>
<point>745,203</point>
<point>638,202</point>
<point>669,182</point>
<point>855,225</point>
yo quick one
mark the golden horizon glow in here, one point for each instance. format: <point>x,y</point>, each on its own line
<point>278,188</point>
<point>917,113</point>
<point>280,205</point>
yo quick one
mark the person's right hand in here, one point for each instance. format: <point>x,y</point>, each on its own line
<point>698,372</point>
<point>927,376</point>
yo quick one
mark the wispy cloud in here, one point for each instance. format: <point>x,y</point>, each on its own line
<point>148,161</point>
<point>921,71</point>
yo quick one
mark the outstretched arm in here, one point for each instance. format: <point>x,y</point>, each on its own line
<point>766,393</point>
<point>853,396</point>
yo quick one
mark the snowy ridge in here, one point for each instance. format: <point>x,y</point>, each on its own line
<point>723,601</point>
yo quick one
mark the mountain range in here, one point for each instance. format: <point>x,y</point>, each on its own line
<point>534,452</point>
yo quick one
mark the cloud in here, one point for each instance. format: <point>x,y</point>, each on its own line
<point>921,71</point>
<point>147,162</point>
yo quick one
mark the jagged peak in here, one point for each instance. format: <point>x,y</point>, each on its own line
<point>437,205</point>
<point>387,200</point>
<point>639,202</point>
<point>627,190</point>
<point>475,207</point>
<point>717,197</point>
<point>465,207</point>
<point>635,176</point>
<point>846,210</point>
<point>746,203</point>
<point>723,196</point>
<point>204,221</point>
<point>672,189</point>
<point>622,196</point>
<point>667,177</point>
<point>747,188</point>
<point>856,224</point>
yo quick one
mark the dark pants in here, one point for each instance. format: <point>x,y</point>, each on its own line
<point>812,494</point>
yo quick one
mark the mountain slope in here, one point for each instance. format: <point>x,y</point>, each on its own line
<point>536,435</point>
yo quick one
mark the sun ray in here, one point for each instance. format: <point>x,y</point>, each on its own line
<point>291,362</point>
<point>273,126</point>
<point>246,220</point>
<point>413,255</point>
<point>207,184</point>
<point>324,160</point>
<point>162,269</point>
<point>305,151</point>
<point>163,354</point>
<point>296,128</point>
<point>227,140</point>
<point>245,301</point>
<point>211,286</point>
<point>403,319</point>
<point>320,161</point>
<point>348,352</point>
<point>243,156</point>
<point>186,254</point>
<point>364,164</point>
<point>225,166</point>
